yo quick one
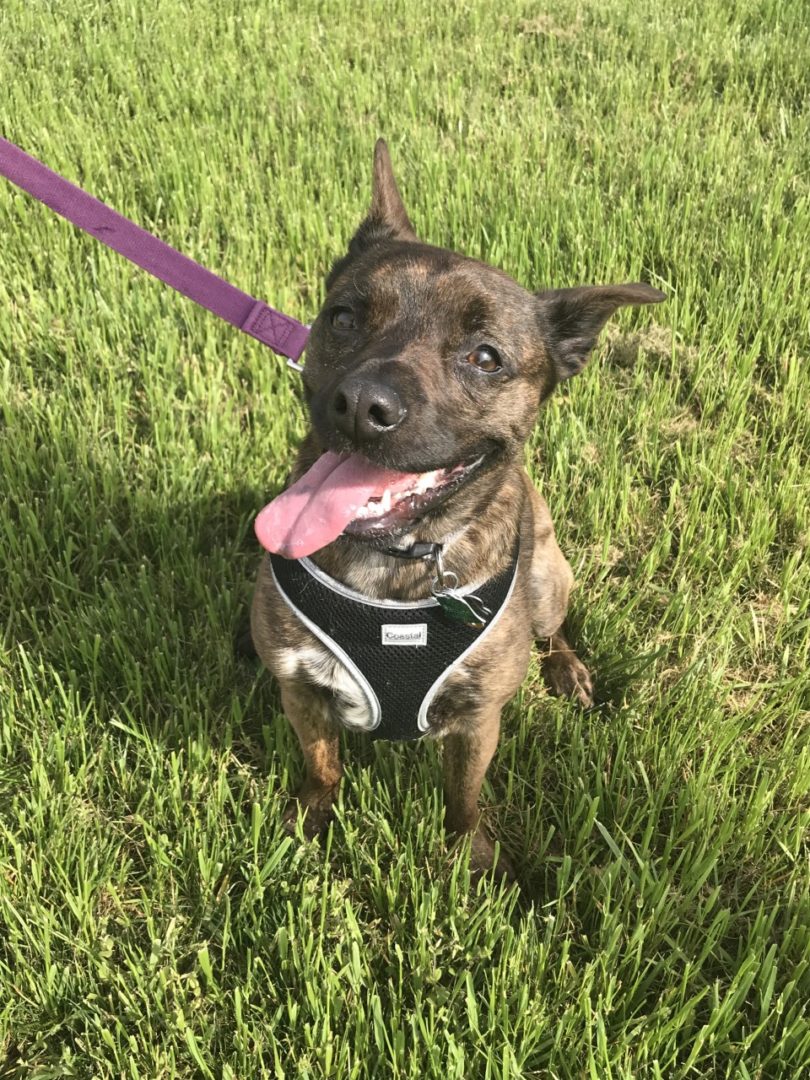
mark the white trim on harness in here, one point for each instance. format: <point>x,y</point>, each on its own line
<point>427,700</point>
<point>361,598</point>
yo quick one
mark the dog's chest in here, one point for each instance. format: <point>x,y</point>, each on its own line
<point>349,705</point>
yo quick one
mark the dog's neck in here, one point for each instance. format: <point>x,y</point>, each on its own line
<point>477,534</point>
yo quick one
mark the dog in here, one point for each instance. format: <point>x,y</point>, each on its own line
<point>424,374</point>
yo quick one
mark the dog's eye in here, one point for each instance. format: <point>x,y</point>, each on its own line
<point>343,319</point>
<point>485,358</point>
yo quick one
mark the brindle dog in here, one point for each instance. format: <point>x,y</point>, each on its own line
<point>423,359</point>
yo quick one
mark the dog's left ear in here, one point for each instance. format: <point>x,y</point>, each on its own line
<point>573,319</point>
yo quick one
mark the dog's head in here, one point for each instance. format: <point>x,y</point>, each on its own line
<point>427,363</point>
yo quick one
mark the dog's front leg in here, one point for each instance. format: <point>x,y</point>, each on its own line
<point>307,710</point>
<point>467,755</point>
<point>551,582</point>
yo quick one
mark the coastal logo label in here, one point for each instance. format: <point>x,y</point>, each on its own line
<point>413,634</point>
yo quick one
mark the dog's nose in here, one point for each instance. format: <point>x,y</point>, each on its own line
<point>365,410</point>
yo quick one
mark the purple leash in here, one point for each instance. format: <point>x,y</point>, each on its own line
<point>283,335</point>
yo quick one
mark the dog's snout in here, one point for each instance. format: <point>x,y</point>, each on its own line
<point>364,410</point>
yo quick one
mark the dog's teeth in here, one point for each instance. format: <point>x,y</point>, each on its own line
<point>426,481</point>
<point>380,505</point>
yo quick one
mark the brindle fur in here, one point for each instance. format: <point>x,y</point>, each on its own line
<point>421,310</point>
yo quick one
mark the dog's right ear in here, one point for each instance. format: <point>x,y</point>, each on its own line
<point>387,218</point>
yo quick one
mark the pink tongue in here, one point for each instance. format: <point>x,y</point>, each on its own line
<point>321,504</point>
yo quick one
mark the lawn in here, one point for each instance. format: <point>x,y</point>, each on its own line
<point>155,920</point>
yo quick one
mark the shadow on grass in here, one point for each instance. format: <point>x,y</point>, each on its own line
<point>132,598</point>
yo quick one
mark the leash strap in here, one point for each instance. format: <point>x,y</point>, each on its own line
<point>283,335</point>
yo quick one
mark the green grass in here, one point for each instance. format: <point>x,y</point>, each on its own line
<point>154,920</point>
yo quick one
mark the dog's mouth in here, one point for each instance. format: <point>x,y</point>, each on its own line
<point>347,493</point>
<point>390,511</point>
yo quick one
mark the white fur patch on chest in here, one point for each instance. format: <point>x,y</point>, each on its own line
<point>316,663</point>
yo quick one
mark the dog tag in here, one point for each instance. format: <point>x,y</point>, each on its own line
<point>470,610</point>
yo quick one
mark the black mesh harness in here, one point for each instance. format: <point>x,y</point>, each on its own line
<point>399,652</point>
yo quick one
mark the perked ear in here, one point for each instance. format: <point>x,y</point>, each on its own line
<point>386,202</point>
<point>387,219</point>
<point>574,318</point>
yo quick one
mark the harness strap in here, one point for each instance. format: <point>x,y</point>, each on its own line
<point>283,335</point>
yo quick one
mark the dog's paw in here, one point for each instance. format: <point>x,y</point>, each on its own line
<point>317,809</point>
<point>483,860</point>
<point>567,676</point>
